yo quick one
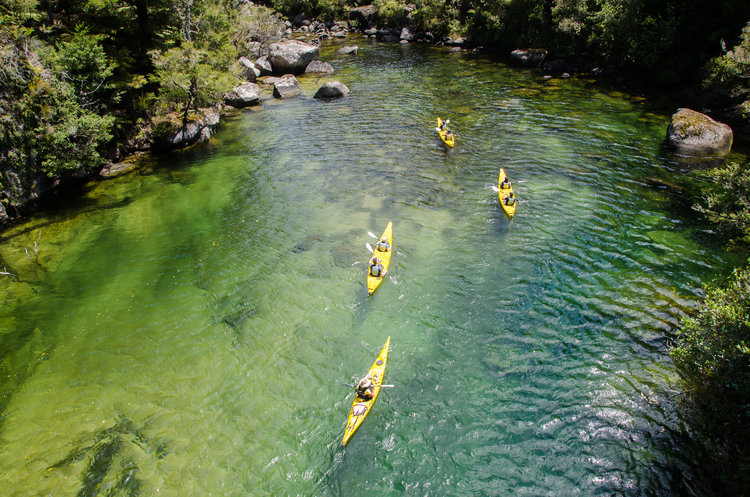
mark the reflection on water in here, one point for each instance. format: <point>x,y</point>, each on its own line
<point>187,329</point>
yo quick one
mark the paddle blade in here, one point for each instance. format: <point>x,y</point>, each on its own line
<point>496,189</point>
<point>372,234</point>
<point>369,247</point>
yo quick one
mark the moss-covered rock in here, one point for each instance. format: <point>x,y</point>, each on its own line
<point>695,134</point>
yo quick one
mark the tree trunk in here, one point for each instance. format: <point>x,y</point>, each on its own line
<point>547,22</point>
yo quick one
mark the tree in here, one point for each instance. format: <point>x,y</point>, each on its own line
<point>187,78</point>
<point>82,63</point>
<point>46,126</point>
<point>258,24</point>
<point>730,72</point>
<point>727,204</point>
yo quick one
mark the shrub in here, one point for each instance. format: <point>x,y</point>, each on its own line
<point>728,204</point>
<point>391,12</point>
<point>730,72</point>
<point>713,357</point>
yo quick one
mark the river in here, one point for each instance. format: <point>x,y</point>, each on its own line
<point>187,329</point>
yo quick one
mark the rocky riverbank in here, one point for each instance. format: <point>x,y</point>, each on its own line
<point>273,73</point>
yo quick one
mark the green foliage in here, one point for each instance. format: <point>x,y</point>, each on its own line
<point>255,23</point>
<point>46,125</point>
<point>434,16</point>
<point>290,8</point>
<point>713,354</point>
<point>74,140</point>
<point>730,72</point>
<point>391,12</point>
<point>713,357</point>
<point>189,79</point>
<point>331,10</point>
<point>82,63</point>
<point>727,205</point>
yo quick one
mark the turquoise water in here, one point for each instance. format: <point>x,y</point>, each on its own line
<point>187,329</point>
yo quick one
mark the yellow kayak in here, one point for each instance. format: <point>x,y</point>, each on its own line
<point>384,257</point>
<point>360,407</point>
<point>446,135</point>
<point>506,195</point>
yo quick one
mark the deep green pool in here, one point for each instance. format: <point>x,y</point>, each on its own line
<point>188,328</point>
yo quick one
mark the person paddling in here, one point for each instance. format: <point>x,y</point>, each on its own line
<point>366,389</point>
<point>376,268</point>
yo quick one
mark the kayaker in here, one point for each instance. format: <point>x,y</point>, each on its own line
<point>444,125</point>
<point>505,184</point>
<point>365,389</point>
<point>383,246</point>
<point>376,268</point>
<point>509,199</point>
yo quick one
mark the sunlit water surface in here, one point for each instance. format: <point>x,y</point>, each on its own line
<point>188,328</point>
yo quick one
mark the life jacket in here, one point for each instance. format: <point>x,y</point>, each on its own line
<point>383,246</point>
<point>375,270</point>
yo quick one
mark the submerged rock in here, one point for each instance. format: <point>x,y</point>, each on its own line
<point>694,134</point>
<point>333,89</point>
<point>112,170</point>
<point>664,185</point>
<point>352,50</point>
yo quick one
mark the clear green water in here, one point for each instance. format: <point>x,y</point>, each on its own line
<point>155,347</point>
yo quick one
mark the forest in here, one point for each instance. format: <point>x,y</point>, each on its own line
<point>87,82</point>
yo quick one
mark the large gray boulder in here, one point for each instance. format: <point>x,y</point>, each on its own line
<point>248,70</point>
<point>695,134</point>
<point>264,66</point>
<point>286,86</point>
<point>318,66</point>
<point>407,34</point>
<point>530,57</point>
<point>243,95</point>
<point>291,56</point>
<point>333,89</point>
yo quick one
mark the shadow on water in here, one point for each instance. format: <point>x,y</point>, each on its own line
<point>109,467</point>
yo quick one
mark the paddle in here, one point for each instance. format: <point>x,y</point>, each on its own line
<point>369,247</point>
<point>355,386</point>
<point>372,234</point>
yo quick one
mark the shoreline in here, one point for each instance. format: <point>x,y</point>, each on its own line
<point>61,189</point>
